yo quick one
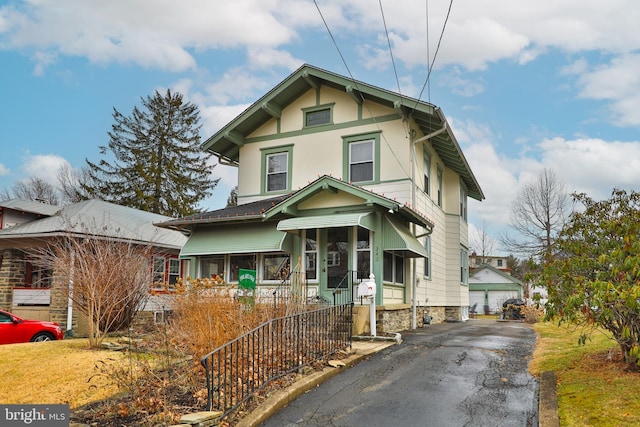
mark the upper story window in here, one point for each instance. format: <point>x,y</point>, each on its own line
<point>276,168</point>
<point>277,171</point>
<point>440,187</point>
<point>318,115</point>
<point>361,158</point>
<point>426,166</point>
<point>463,201</point>
<point>361,161</point>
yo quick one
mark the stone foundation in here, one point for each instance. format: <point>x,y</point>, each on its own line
<point>398,317</point>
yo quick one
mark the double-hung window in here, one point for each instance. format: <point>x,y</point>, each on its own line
<point>361,158</point>
<point>361,161</point>
<point>276,168</point>
<point>426,166</point>
<point>277,172</point>
<point>427,260</point>
<point>463,201</point>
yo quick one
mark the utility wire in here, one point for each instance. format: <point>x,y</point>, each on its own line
<point>393,62</point>
<point>426,12</point>
<point>444,26</point>
<point>400,164</point>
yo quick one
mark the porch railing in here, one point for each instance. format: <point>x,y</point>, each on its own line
<point>240,368</point>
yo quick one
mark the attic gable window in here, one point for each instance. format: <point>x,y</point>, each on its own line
<point>319,115</point>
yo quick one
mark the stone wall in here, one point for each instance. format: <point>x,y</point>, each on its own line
<point>12,272</point>
<point>398,317</point>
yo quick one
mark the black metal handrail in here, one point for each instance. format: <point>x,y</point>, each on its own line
<point>343,293</point>
<point>238,369</point>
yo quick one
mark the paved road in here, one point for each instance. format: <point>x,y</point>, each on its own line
<point>452,374</point>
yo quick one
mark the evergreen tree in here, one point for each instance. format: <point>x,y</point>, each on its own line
<point>158,163</point>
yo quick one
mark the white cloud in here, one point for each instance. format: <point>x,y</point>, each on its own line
<point>4,170</point>
<point>44,166</point>
<point>161,36</point>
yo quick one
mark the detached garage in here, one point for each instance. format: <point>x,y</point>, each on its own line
<point>490,287</point>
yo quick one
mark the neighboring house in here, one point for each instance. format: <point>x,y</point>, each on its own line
<point>490,287</point>
<point>345,179</point>
<point>499,262</point>
<point>26,290</point>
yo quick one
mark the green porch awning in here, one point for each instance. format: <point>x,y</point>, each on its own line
<point>363,219</point>
<point>398,238</point>
<point>242,238</point>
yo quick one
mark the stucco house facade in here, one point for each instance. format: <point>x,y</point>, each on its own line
<point>33,292</point>
<point>344,179</point>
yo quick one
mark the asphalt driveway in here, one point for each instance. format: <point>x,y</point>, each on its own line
<point>452,374</point>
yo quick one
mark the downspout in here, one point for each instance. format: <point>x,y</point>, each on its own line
<point>414,299</point>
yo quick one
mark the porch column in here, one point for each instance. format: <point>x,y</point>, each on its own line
<point>12,271</point>
<point>59,299</point>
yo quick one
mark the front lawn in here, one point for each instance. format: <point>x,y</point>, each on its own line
<point>594,388</point>
<point>54,372</point>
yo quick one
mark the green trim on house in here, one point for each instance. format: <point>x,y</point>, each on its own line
<point>256,237</point>
<point>265,152</point>
<point>322,128</point>
<point>349,139</point>
<point>362,219</point>
<point>226,143</point>
<point>398,238</point>
<point>315,108</point>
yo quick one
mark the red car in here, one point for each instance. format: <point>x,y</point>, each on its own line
<point>14,329</point>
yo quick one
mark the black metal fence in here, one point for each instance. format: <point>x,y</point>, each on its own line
<point>240,368</point>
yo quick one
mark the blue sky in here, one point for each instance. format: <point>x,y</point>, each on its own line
<point>525,85</point>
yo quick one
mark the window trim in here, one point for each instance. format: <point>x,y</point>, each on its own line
<point>314,109</point>
<point>426,269</point>
<point>464,266</point>
<point>440,186</point>
<point>463,201</point>
<point>346,155</point>
<point>394,273</point>
<point>265,153</point>
<point>426,166</point>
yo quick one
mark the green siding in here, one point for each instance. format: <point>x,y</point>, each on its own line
<point>245,238</point>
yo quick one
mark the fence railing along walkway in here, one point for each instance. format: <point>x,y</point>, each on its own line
<point>240,368</point>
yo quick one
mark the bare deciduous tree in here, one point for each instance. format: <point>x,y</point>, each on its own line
<point>70,184</point>
<point>108,279</point>
<point>537,215</point>
<point>483,245</point>
<point>33,188</point>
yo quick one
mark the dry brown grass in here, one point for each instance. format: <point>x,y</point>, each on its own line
<point>54,372</point>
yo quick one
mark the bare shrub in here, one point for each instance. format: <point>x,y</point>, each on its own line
<point>532,313</point>
<point>206,315</point>
<point>105,278</point>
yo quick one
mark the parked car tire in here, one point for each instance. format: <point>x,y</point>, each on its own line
<point>42,337</point>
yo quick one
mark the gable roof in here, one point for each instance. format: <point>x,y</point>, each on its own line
<point>267,209</point>
<point>99,218</point>
<point>491,268</point>
<point>30,206</point>
<point>226,143</point>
